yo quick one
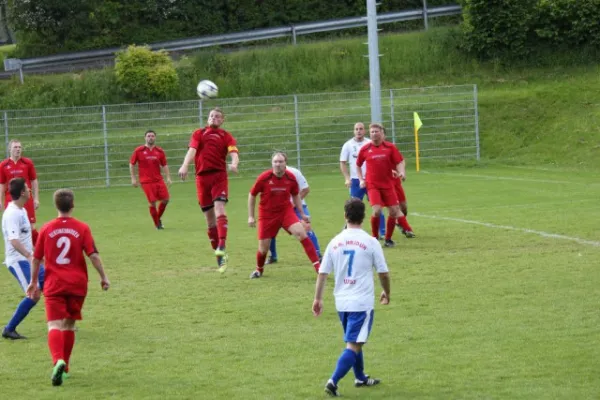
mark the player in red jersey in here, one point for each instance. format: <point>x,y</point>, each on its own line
<point>20,167</point>
<point>151,160</point>
<point>275,211</point>
<point>62,244</point>
<point>382,158</point>
<point>209,148</point>
<point>402,222</point>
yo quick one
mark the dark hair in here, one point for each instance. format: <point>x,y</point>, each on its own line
<point>63,200</point>
<point>149,131</point>
<point>354,211</point>
<point>16,187</point>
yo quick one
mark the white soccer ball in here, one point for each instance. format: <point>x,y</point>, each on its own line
<point>207,90</point>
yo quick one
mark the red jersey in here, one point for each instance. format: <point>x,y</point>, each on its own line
<point>23,168</point>
<point>274,192</point>
<point>149,161</point>
<point>381,160</point>
<point>61,244</point>
<point>212,146</point>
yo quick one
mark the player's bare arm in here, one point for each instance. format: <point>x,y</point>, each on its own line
<point>251,208</point>
<point>235,161</point>
<point>401,170</point>
<point>97,263</point>
<point>361,178</point>
<point>35,188</point>
<point>304,192</point>
<point>167,174</point>
<point>33,291</point>
<point>344,169</point>
<point>2,195</point>
<point>183,171</point>
<point>134,181</point>
<point>317,307</point>
<point>384,279</point>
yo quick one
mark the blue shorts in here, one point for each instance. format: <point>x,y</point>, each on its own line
<point>356,191</point>
<point>21,270</point>
<point>304,208</point>
<point>357,325</point>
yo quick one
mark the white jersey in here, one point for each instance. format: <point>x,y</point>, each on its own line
<point>302,182</point>
<point>15,225</point>
<point>349,154</point>
<point>351,256</point>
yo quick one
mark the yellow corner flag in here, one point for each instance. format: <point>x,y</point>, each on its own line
<point>418,125</point>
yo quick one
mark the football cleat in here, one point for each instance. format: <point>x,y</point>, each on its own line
<point>160,225</point>
<point>368,382</point>
<point>222,262</point>
<point>271,260</point>
<point>12,335</point>
<point>389,243</point>
<point>331,389</point>
<point>57,372</point>
<point>220,252</point>
<point>255,274</point>
<point>408,234</point>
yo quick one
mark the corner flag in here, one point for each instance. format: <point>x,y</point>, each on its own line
<point>418,125</point>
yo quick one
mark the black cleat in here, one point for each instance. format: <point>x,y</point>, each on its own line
<point>331,389</point>
<point>12,335</point>
<point>271,260</point>
<point>409,234</point>
<point>389,243</point>
<point>160,225</point>
<point>368,382</point>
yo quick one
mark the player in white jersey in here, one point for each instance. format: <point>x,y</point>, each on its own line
<point>351,256</point>
<point>19,252</point>
<point>304,190</point>
<point>348,156</point>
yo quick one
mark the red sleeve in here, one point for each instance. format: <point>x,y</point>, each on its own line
<point>133,160</point>
<point>38,252</point>
<point>360,160</point>
<point>163,158</point>
<point>257,187</point>
<point>396,156</point>
<point>88,242</point>
<point>196,139</point>
<point>32,171</point>
<point>2,175</point>
<point>231,143</point>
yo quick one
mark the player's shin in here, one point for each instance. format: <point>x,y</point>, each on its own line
<point>389,230</point>
<point>403,222</point>
<point>56,345</point>
<point>375,226</point>
<point>161,210</point>
<point>69,342</point>
<point>359,367</point>
<point>260,261</point>
<point>154,214</point>
<point>213,236</point>
<point>311,252</point>
<point>345,362</point>
<point>222,230</point>
<point>313,238</point>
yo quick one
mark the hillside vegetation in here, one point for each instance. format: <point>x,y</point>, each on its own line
<point>545,110</point>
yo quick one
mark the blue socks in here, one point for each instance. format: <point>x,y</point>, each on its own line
<point>344,364</point>
<point>382,225</point>
<point>359,367</point>
<point>22,310</point>
<point>311,235</point>
<point>273,249</point>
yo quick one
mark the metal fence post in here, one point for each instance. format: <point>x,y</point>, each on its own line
<point>200,117</point>
<point>293,35</point>
<point>6,133</point>
<point>476,121</point>
<point>105,130</point>
<point>392,116</point>
<point>297,123</point>
<point>425,16</point>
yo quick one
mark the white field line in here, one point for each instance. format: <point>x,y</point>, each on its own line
<point>538,205</point>
<point>508,178</point>
<point>512,228</point>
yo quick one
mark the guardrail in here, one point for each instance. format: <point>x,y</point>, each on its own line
<point>100,58</point>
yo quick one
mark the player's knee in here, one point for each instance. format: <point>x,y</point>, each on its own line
<point>36,297</point>
<point>56,324</point>
<point>165,201</point>
<point>69,324</point>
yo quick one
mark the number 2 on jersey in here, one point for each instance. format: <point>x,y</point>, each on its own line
<point>63,243</point>
<point>350,253</point>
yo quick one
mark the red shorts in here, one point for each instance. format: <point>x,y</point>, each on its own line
<point>382,197</point>
<point>268,227</point>
<point>155,191</point>
<point>63,307</point>
<point>28,206</point>
<point>210,188</point>
<point>399,191</point>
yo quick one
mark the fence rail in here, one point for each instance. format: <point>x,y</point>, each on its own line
<point>104,57</point>
<point>91,146</point>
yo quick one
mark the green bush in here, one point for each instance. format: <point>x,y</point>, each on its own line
<point>146,75</point>
<point>569,22</point>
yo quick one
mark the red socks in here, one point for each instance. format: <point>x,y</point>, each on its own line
<point>260,261</point>
<point>213,236</point>
<point>161,209</point>
<point>403,222</point>
<point>69,342</point>
<point>311,252</point>
<point>389,228</point>
<point>154,215</point>
<point>56,344</point>
<point>375,226</point>
<point>222,230</point>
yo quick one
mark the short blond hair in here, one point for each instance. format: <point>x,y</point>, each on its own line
<point>376,125</point>
<point>279,153</point>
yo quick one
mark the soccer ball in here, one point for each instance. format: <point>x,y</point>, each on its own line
<point>207,90</point>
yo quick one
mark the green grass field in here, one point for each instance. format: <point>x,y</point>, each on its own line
<point>497,298</point>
